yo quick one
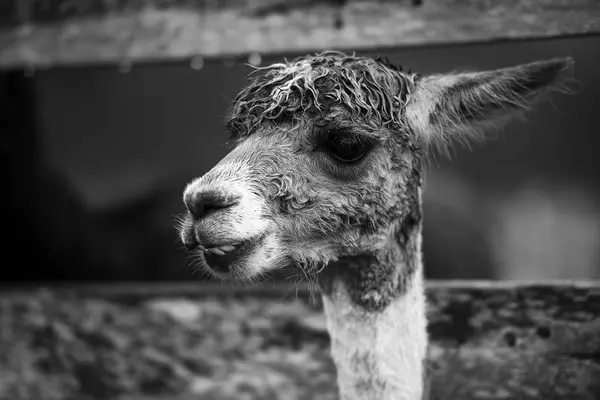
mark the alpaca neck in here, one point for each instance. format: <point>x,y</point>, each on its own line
<point>375,310</point>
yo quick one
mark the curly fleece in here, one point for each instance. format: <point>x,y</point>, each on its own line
<point>275,120</point>
<point>373,90</point>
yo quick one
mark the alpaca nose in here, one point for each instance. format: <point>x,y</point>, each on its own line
<point>202,202</point>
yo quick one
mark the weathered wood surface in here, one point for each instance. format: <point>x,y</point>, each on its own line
<point>488,340</point>
<point>41,33</point>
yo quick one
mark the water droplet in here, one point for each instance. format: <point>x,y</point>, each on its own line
<point>197,62</point>
<point>125,66</point>
<point>254,59</point>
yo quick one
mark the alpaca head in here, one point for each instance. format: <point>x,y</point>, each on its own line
<point>328,156</point>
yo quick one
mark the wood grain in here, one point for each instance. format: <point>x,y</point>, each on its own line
<point>489,340</point>
<point>43,33</point>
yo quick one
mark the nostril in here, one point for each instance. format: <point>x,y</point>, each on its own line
<point>210,206</point>
<point>200,204</point>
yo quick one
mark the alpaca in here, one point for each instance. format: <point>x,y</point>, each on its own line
<point>326,173</point>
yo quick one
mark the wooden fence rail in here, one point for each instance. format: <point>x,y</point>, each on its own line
<point>489,340</point>
<point>43,33</point>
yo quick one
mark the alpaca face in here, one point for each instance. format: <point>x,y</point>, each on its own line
<point>323,163</point>
<point>287,203</point>
<point>328,157</point>
<point>299,205</point>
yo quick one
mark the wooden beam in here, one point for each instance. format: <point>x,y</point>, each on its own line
<point>489,340</point>
<point>43,33</point>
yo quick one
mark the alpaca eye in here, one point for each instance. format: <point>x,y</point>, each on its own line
<point>346,148</point>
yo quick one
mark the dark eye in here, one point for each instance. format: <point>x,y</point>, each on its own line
<point>346,148</point>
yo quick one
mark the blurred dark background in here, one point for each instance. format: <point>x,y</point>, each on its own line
<point>95,160</point>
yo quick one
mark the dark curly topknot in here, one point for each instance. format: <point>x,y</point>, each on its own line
<point>373,89</point>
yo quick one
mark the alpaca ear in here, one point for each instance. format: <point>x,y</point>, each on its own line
<point>461,106</point>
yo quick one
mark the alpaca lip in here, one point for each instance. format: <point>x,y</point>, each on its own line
<point>220,250</point>
<point>221,257</point>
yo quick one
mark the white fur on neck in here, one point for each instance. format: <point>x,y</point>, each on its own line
<point>379,355</point>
